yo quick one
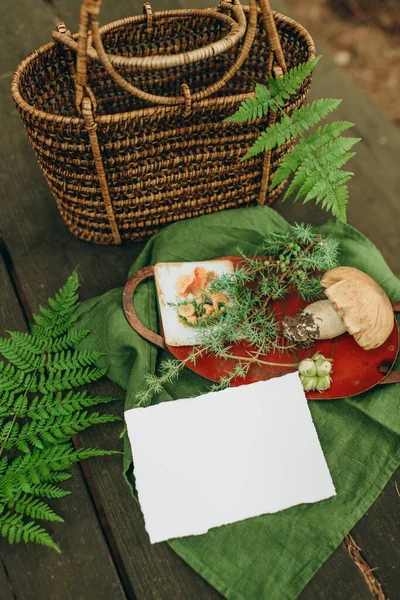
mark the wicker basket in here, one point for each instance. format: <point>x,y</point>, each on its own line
<point>126,151</point>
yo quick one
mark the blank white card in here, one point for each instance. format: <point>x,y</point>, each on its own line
<point>226,456</point>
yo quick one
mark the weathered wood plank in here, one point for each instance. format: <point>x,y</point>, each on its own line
<point>45,254</point>
<point>39,572</point>
<point>374,190</point>
<point>5,584</point>
<point>338,578</point>
<point>378,536</point>
<point>32,220</point>
<point>156,572</point>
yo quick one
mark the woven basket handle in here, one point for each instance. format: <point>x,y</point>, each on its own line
<point>89,20</point>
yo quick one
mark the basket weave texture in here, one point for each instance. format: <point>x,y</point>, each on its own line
<point>162,163</point>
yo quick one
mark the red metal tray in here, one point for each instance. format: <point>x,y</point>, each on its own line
<point>355,370</point>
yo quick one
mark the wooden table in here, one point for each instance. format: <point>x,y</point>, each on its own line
<point>106,552</point>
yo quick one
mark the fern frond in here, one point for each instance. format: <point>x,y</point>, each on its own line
<point>270,97</point>
<point>253,108</point>
<point>13,404</point>
<point>48,490</point>
<point>9,432</point>
<point>301,120</point>
<point>37,419</point>
<point>33,507</point>
<point>37,345</point>
<point>26,341</point>
<point>16,530</point>
<point>59,404</point>
<point>294,78</point>
<point>316,164</point>
<point>67,360</point>
<point>3,464</point>
<point>14,380</point>
<point>56,429</point>
<point>41,466</point>
<point>23,359</point>
<point>59,318</point>
<point>57,381</point>
<point>305,147</point>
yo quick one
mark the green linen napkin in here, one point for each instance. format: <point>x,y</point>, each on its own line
<point>270,557</point>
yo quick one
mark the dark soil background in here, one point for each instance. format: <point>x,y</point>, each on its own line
<point>363,36</point>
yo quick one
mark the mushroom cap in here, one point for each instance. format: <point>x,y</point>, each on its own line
<point>362,305</point>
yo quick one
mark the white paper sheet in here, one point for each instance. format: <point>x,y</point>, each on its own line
<point>226,456</point>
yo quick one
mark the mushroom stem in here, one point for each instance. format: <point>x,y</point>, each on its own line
<point>327,319</point>
<point>318,321</point>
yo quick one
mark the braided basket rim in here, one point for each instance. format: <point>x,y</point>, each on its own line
<point>24,106</point>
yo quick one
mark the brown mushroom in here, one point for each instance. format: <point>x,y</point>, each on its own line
<point>208,309</point>
<point>186,310</point>
<point>217,298</point>
<point>356,304</point>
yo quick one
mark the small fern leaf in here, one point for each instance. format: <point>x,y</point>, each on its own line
<point>33,507</point>
<point>14,380</point>
<point>323,135</point>
<point>16,530</point>
<point>3,464</point>
<point>64,404</point>
<point>68,360</point>
<point>309,115</point>
<point>275,135</point>
<point>48,490</point>
<point>26,342</point>
<point>24,360</point>
<point>9,433</point>
<point>69,340</point>
<point>332,193</point>
<point>268,98</point>
<point>293,79</point>
<point>56,429</point>
<point>253,108</point>
<point>12,404</point>
<point>59,318</point>
<point>58,381</point>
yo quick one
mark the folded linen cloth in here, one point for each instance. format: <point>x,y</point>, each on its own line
<point>273,556</point>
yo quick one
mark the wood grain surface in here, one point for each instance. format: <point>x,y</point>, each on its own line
<point>106,552</point>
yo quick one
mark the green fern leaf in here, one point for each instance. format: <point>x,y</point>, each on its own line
<point>68,360</point>
<point>269,98</point>
<point>59,318</point>
<point>33,469</point>
<point>33,507</point>
<point>12,379</point>
<point>37,419</point>
<point>290,127</point>
<point>12,404</point>
<point>305,147</point>
<point>16,530</point>
<point>23,359</point>
<point>3,464</point>
<point>37,345</point>
<point>57,381</point>
<point>48,490</point>
<point>9,432</point>
<point>58,404</point>
<point>294,78</point>
<point>56,429</point>
<point>253,108</point>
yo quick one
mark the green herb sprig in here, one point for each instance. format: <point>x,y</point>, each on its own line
<point>294,260</point>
